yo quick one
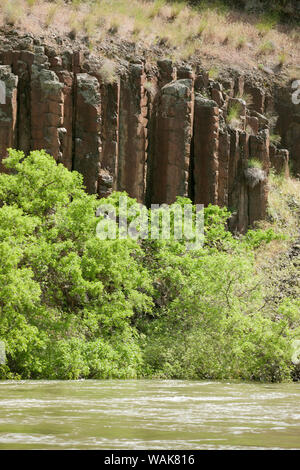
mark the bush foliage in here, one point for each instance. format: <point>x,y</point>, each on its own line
<point>74,306</point>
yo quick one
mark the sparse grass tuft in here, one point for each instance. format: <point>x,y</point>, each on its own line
<point>241,42</point>
<point>12,12</point>
<point>267,47</point>
<point>221,32</point>
<point>233,114</point>
<point>282,58</point>
<point>213,73</point>
<point>51,13</point>
<point>254,163</point>
<point>266,24</point>
<point>275,139</point>
<point>31,3</point>
<point>108,72</point>
<point>245,97</point>
<point>155,8</point>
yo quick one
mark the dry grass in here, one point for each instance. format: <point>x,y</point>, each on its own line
<point>213,33</point>
<point>107,71</point>
<point>284,203</point>
<point>283,219</point>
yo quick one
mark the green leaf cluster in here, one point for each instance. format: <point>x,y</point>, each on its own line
<point>75,306</point>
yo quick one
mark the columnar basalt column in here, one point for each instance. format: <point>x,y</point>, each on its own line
<point>67,80</point>
<point>279,160</point>
<point>87,151</point>
<point>224,152</point>
<point>8,111</point>
<point>47,110</point>
<point>21,62</point>
<point>257,95</point>
<point>110,95</point>
<point>173,142</point>
<point>241,193</point>
<point>153,93</point>
<point>258,192</point>
<point>132,153</point>
<point>166,72</point>
<point>206,144</point>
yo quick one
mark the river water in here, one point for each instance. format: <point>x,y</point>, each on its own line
<point>148,414</point>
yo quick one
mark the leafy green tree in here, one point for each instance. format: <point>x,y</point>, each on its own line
<point>73,305</point>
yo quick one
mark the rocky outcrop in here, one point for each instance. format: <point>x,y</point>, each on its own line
<point>132,154</point>
<point>155,131</point>
<point>8,111</point>
<point>171,159</point>
<point>206,145</point>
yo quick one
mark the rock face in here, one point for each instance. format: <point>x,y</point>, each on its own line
<point>87,151</point>
<point>8,111</point>
<point>156,132</point>
<point>206,145</point>
<point>171,159</point>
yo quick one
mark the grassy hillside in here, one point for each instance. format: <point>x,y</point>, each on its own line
<point>178,29</point>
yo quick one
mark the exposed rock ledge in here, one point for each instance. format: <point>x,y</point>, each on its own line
<point>156,132</point>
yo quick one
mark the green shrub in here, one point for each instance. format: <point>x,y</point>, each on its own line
<point>72,305</point>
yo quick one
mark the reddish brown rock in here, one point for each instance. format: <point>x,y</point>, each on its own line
<point>142,134</point>
<point>110,94</point>
<point>257,95</point>
<point>258,193</point>
<point>8,111</point>
<point>253,123</point>
<point>224,152</point>
<point>166,72</point>
<point>66,111</point>
<point>87,151</point>
<point>279,160</point>
<point>206,144</point>
<point>133,133</point>
<point>172,142</point>
<point>46,111</point>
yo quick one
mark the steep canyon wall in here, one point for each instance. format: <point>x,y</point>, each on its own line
<point>156,131</point>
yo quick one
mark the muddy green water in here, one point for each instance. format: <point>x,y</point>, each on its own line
<point>144,414</point>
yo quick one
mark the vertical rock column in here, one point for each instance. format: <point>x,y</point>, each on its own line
<point>237,187</point>
<point>8,111</point>
<point>224,151</point>
<point>279,160</point>
<point>152,92</point>
<point>172,142</point>
<point>23,70</point>
<point>133,133</point>
<point>206,144</point>
<point>66,131</point>
<point>166,72</point>
<point>242,190</point>
<point>46,111</point>
<point>258,192</point>
<point>87,152</point>
<point>110,95</point>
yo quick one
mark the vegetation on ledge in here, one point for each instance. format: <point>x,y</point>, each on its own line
<point>74,306</point>
<point>251,36</point>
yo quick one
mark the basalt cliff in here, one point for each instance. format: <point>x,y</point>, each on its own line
<point>158,130</point>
